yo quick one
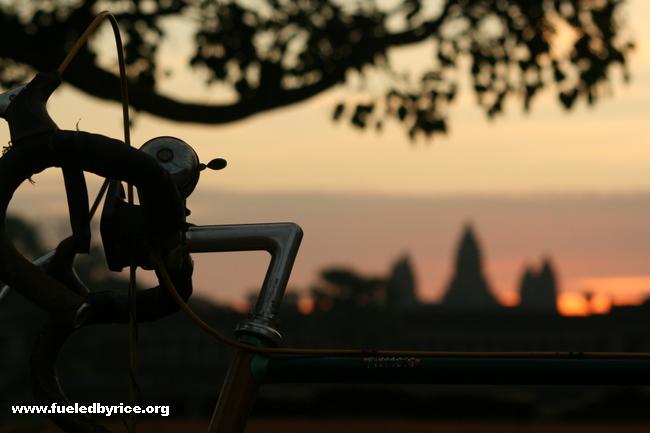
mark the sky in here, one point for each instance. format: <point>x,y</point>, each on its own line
<point>570,186</point>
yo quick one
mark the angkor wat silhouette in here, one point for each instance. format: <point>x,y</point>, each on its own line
<point>470,290</point>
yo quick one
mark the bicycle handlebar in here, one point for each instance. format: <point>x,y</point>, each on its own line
<point>38,144</point>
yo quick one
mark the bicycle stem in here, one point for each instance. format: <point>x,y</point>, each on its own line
<point>281,240</point>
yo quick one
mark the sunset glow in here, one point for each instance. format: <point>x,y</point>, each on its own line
<point>509,298</point>
<point>573,304</point>
<point>305,305</point>
<point>582,304</point>
<point>623,290</point>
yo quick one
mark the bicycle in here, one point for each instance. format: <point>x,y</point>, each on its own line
<point>155,235</point>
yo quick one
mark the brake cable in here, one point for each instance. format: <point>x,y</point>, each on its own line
<point>134,390</point>
<point>81,41</point>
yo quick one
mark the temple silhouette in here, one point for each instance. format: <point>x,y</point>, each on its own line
<point>538,290</point>
<point>468,289</point>
<point>400,287</point>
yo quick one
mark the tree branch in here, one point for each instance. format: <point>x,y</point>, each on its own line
<point>85,75</point>
<point>88,77</point>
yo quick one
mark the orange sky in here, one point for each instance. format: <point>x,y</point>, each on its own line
<point>600,153</point>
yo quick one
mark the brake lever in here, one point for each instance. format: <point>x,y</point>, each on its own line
<point>58,263</point>
<point>42,262</point>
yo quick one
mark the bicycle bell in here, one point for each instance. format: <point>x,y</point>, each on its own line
<point>181,161</point>
<point>178,158</point>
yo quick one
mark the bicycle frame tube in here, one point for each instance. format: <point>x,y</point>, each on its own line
<point>281,240</point>
<point>236,398</point>
<point>251,371</point>
<point>572,370</point>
